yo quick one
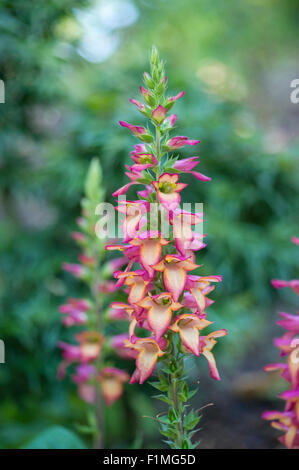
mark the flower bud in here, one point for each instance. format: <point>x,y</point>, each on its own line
<point>159,114</point>
<point>154,56</point>
<point>148,80</point>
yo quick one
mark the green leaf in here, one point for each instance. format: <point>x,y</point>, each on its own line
<point>191,420</point>
<point>56,437</point>
<point>192,393</point>
<point>163,398</point>
<point>159,386</point>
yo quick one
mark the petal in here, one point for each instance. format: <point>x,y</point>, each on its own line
<point>175,280</point>
<point>212,363</point>
<point>290,436</point>
<point>150,252</point>
<point>123,189</point>
<point>137,291</point>
<point>159,319</point>
<point>147,359</point>
<point>170,200</point>
<point>190,338</point>
<point>199,298</point>
<point>200,176</point>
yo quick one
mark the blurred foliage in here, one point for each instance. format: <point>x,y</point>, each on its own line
<point>61,110</point>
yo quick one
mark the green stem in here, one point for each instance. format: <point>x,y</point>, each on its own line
<point>99,435</point>
<point>158,150</point>
<point>176,402</point>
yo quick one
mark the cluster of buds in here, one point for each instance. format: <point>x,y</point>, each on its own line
<point>91,354</point>
<point>166,306</point>
<point>287,421</point>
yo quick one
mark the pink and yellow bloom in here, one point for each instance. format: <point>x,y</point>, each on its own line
<point>137,282</point>
<point>178,142</point>
<point>188,326</point>
<point>159,312</point>
<point>186,166</point>
<point>148,351</point>
<point>151,244</point>
<point>168,190</point>
<point>175,268</point>
<point>111,381</point>
<point>137,130</point>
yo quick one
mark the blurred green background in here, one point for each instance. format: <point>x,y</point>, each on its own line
<point>69,68</point>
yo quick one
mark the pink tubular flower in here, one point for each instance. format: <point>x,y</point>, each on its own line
<point>75,312</point>
<point>134,211</point>
<point>159,114</point>
<point>288,420</point>
<point>147,95</point>
<point>70,352</point>
<point>294,284</point>
<point>118,344</point>
<point>111,380</point>
<point>187,164</point>
<point>90,345</point>
<point>143,160</point>
<point>75,269</point>
<point>87,392</point>
<point>179,142</point>
<point>188,326</point>
<point>75,318</point>
<point>175,270</point>
<point>137,130</point>
<point>83,373</point>
<point>148,353</point>
<point>206,345</point>
<point>75,304</point>
<point>170,120</point>
<point>123,189</point>
<point>159,312</point>
<point>139,105</point>
<point>79,237</point>
<point>150,244</point>
<point>175,98</point>
<point>137,282</point>
<point>182,222</point>
<point>199,287</point>
<point>168,190</point>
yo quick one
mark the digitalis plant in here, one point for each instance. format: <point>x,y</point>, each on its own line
<point>287,421</point>
<point>166,304</point>
<point>92,355</point>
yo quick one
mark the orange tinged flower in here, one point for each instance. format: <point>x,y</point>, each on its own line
<point>112,380</point>
<point>91,343</point>
<point>207,344</point>
<point>137,285</point>
<point>151,244</point>
<point>174,270</point>
<point>159,308</point>
<point>148,353</point>
<point>188,326</point>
